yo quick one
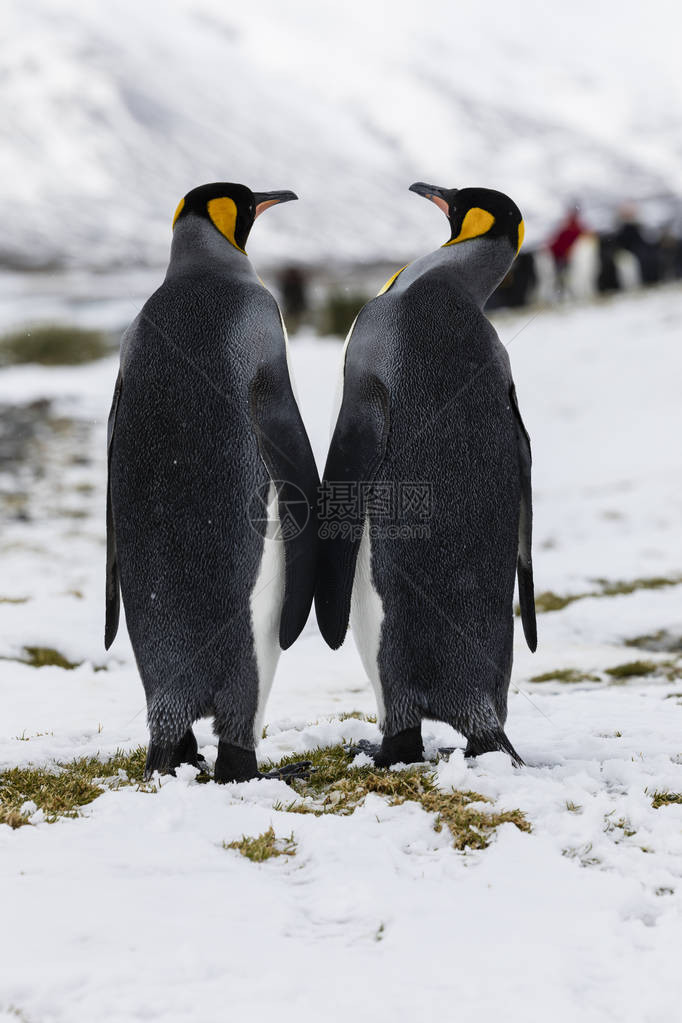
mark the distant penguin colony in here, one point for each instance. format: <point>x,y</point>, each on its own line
<point>215,536</point>
<point>204,418</point>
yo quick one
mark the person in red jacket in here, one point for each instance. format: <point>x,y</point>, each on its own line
<point>563,241</point>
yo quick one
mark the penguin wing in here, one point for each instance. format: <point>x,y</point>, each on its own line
<point>113,600</point>
<point>356,452</point>
<point>524,564</point>
<point>284,447</point>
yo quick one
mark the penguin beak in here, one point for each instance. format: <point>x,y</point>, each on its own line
<point>266,199</point>
<point>440,196</point>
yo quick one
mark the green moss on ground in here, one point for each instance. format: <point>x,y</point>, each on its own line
<point>336,787</point>
<point>666,799</point>
<point>662,642</point>
<point>657,582</point>
<point>53,345</point>
<point>569,675</point>
<point>550,601</point>
<point>263,847</point>
<point>617,675</point>
<point>61,790</point>
<point>633,669</point>
<point>48,657</point>
<point>44,656</point>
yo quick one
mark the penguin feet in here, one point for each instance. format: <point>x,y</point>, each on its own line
<point>404,747</point>
<point>237,764</point>
<point>492,742</point>
<point>234,763</point>
<point>165,759</point>
<point>445,751</point>
<point>303,769</point>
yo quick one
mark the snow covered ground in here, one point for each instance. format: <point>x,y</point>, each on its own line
<point>135,911</point>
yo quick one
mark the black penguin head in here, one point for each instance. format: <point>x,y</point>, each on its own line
<point>476,213</point>
<point>229,207</point>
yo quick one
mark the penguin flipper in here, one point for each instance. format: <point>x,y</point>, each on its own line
<point>492,740</point>
<point>113,599</point>
<point>285,448</point>
<point>524,564</point>
<point>356,452</point>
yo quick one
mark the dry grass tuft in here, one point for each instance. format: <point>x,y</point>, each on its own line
<point>61,790</point>
<point>263,847</point>
<point>666,799</point>
<point>336,787</point>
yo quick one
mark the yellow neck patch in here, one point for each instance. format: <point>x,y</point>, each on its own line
<point>390,281</point>
<point>181,206</point>
<point>522,235</point>
<point>475,223</point>
<point>223,214</point>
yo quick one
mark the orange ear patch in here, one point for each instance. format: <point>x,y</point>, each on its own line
<point>475,223</point>
<point>223,214</point>
<point>181,206</point>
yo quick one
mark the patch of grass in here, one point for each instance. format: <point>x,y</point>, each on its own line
<point>584,854</point>
<point>573,807</point>
<point>336,787</point>
<point>46,656</point>
<point>263,847</point>
<point>14,600</point>
<point>27,738</point>
<point>355,715</point>
<point>658,642</point>
<point>19,1014</point>
<point>666,799</point>
<point>624,825</point>
<point>53,345</point>
<point>633,669</point>
<point>550,601</point>
<point>61,790</point>
<point>569,675</point>
<point>614,589</point>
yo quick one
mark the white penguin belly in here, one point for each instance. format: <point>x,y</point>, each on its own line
<point>266,602</point>
<point>367,616</point>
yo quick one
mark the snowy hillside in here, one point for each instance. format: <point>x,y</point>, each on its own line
<point>112,111</point>
<point>136,910</point>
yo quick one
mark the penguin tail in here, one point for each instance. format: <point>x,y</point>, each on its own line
<point>492,740</point>
<point>159,758</point>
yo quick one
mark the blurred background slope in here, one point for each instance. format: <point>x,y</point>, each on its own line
<point>112,111</point>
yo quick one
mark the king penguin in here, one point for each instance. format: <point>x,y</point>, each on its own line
<point>212,489</point>
<point>429,429</point>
